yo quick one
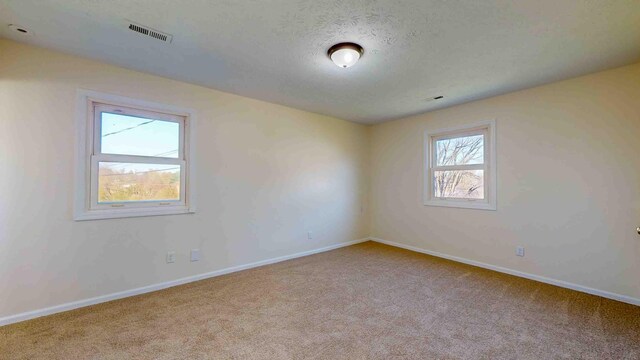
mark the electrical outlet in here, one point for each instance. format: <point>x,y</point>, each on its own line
<point>309,235</point>
<point>195,255</point>
<point>520,251</point>
<point>171,257</point>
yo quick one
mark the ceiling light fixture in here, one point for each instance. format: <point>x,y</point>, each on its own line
<point>345,54</point>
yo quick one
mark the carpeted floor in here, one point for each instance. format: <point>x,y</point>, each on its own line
<point>367,301</point>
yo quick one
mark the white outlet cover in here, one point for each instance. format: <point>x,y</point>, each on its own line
<point>195,254</point>
<point>520,251</point>
<point>171,257</point>
<point>309,235</point>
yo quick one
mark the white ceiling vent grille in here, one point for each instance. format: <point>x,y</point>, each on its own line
<point>145,30</point>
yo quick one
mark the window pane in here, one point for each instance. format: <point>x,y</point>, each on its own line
<point>129,135</point>
<point>118,182</point>
<point>459,184</point>
<point>467,150</point>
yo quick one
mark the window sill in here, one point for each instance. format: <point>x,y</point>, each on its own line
<point>461,204</point>
<point>129,213</point>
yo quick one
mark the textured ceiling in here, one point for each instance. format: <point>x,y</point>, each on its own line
<point>275,50</point>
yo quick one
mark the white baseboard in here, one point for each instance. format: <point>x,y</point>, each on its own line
<point>155,287</point>
<point>560,283</point>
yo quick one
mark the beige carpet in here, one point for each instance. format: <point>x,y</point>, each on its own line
<point>367,301</point>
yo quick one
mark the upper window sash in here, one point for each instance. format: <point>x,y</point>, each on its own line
<point>433,140</point>
<point>99,108</point>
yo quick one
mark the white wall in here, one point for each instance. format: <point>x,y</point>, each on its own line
<point>266,175</point>
<point>568,183</point>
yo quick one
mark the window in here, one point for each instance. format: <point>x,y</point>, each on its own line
<point>134,158</point>
<point>460,167</point>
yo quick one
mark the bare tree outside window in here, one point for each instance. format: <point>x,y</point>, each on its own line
<point>459,183</point>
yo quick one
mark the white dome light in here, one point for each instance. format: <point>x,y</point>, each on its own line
<point>345,54</point>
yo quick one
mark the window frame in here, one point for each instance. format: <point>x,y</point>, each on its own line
<point>488,129</point>
<point>90,104</point>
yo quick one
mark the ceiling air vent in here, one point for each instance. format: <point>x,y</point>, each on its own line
<point>144,30</point>
<point>434,98</point>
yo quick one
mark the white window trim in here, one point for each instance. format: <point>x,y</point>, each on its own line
<point>83,209</point>
<point>490,201</point>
